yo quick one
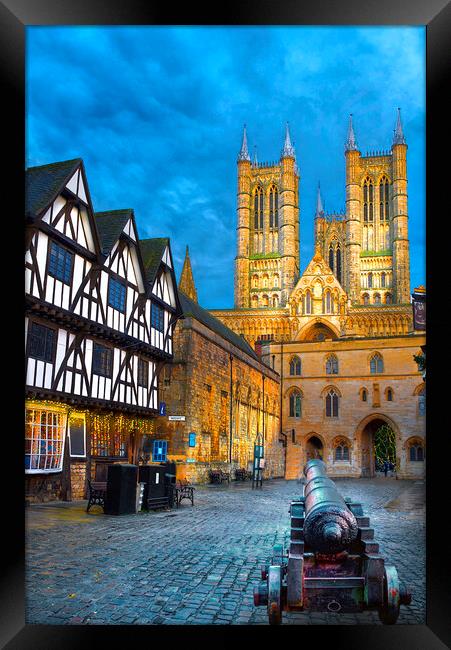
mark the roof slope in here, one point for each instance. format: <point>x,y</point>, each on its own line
<point>191,308</point>
<point>152,251</point>
<point>110,224</point>
<point>43,183</point>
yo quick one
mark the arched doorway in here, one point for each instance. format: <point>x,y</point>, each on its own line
<point>378,443</point>
<point>313,448</point>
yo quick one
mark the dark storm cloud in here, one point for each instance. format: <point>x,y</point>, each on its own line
<point>157,113</point>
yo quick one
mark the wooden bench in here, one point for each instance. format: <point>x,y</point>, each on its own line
<point>183,490</point>
<point>96,494</point>
<point>242,474</point>
<point>218,476</point>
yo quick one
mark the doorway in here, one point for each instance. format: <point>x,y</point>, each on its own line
<point>378,443</point>
<point>314,448</point>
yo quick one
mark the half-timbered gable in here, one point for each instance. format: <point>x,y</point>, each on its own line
<point>61,237</point>
<point>163,307</point>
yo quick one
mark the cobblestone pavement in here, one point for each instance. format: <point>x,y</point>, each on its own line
<point>199,565</point>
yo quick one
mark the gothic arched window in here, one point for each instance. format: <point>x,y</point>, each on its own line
<point>276,280</point>
<point>295,366</point>
<point>265,301</point>
<point>331,258</point>
<point>377,299</point>
<point>273,207</point>
<point>332,404</point>
<point>389,394</point>
<point>332,365</point>
<point>255,281</point>
<point>383,199</point>
<point>308,302</point>
<point>258,209</point>
<point>275,301</point>
<point>383,276</point>
<point>416,452</point>
<point>368,200</point>
<point>295,404</point>
<point>341,451</point>
<point>366,299</point>
<point>370,280</point>
<point>329,302</point>
<point>364,394</point>
<point>338,264</point>
<point>376,364</point>
<point>388,299</point>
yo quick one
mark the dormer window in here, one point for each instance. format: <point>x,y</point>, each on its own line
<point>60,263</point>
<point>116,294</point>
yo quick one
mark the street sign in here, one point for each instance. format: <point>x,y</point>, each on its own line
<point>162,408</point>
<point>177,418</point>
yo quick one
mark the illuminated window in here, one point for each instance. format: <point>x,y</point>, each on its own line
<point>159,451</point>
<point>44,441</point>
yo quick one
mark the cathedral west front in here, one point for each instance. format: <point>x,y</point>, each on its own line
<point>340,334</point>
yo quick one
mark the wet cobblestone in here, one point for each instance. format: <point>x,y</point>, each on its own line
<point>199,565</point>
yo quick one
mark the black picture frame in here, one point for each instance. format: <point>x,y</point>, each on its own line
<point>436,16</point>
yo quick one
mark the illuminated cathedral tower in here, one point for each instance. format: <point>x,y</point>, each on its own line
<point>376,224</point>
<point>267,260</point>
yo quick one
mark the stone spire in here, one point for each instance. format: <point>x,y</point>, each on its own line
<point>186,282</point>
<point>351,144</point>
<point>398,137</point>
<point>244,153</point>
<point>288,149</point>
<point>319,204</point>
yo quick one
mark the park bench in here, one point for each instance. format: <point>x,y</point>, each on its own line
<point>183,490</point>
<point>242,474</point>
<point>218,476</point>
<point>96,493</point>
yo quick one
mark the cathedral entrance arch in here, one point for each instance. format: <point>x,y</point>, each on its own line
<point>377,435</point>
<point>320,330</point>
<point>313,448</point>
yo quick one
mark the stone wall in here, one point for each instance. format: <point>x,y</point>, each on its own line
<point>218,388</point>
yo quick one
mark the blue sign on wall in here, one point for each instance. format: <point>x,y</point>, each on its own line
<point>162,408</point>
<point>192,439</point>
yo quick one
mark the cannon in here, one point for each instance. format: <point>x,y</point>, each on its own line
<point>333,562</point>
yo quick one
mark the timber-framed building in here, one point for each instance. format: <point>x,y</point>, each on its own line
<point>101,306</point>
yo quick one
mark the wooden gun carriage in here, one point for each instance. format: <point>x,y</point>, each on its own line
<point>333,563</point>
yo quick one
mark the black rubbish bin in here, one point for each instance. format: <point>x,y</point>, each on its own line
<point>155,489</point>
<point>121,489</point>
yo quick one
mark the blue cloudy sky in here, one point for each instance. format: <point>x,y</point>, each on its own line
<point>157,113</point>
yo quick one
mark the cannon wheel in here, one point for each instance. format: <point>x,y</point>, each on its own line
<point>389,612</point>
<point>275,595</point>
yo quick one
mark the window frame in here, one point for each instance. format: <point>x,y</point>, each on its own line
<point>332,367</point>
<point>36,324</point>
<point>110,356</point>
<point>68,254</point>
<point>62,426</point>
<point>142,363</point>
<point>119,283</point>
<point>161,457</point>
<point>378,360</point>
<point>295,399</point>
<point>80,416</point>
<point>155,323</point>
<point>330,395</point>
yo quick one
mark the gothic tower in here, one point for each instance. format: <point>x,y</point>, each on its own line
<point>267,260</point>
<point>186,282</point>
<point>376,230</point>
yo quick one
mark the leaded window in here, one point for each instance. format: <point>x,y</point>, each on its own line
<point>342,452</point>
<point>376,364</point>
<point>331,258</point>
<point>157,317</point>
<point>102,360</point>
<point>370,280</point>
<point>383,199</point>
<point>368,201</point>
<point>60,263</point>
<point>332,365</point>
<point>416,453</point>
<point>116,294</point>
<point>338,264</point>
<point>295,366</point>
<point>44,440</point>
<point>143,372</point>
<point>273,208</point>
<point>41,342</point>
<point>332,404</point>
<point>295,404</point>
<point>258,209</point>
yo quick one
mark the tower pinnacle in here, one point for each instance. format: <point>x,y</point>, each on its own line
<point>288,149</point>
<point>398,137</point>
<point>244,153</point>
<point>351,144</point>
<point>186,282</point>
<point>319,204</point>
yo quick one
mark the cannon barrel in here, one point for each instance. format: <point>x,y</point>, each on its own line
<point>329,525</point>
